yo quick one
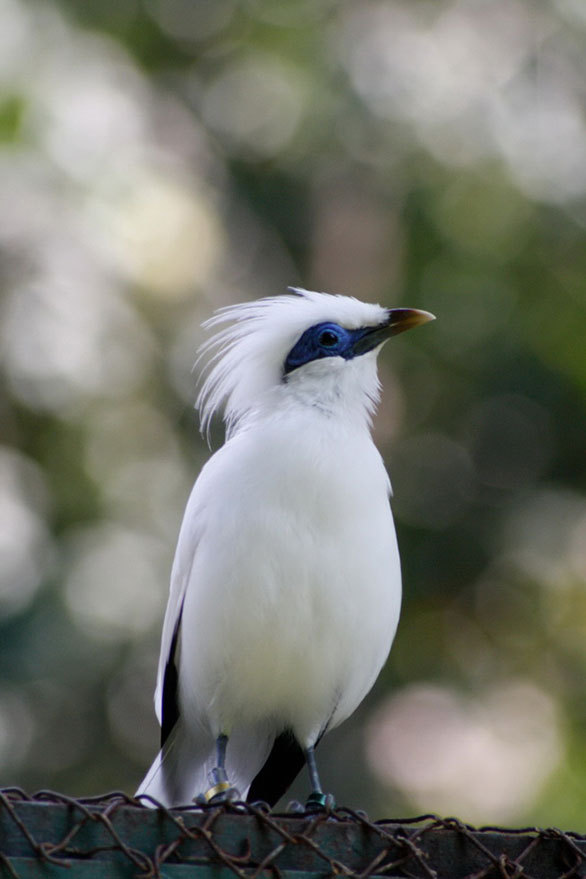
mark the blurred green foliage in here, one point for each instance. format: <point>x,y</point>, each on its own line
<point>164,158</point>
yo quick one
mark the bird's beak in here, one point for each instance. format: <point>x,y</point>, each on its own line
<point>401,319</point>
<point>398,320</point>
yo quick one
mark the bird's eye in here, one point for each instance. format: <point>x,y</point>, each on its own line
<point>328,339</point>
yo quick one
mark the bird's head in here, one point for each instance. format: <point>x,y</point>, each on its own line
<point>316,349</point>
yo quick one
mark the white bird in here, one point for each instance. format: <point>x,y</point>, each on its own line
<point>286,585</point>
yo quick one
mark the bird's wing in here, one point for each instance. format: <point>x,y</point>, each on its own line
<point>170,697</point>
<point>167,673</point>
<point>166,689</point>
<point>178,771</point>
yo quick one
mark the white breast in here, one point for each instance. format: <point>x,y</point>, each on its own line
<point>294,589</point>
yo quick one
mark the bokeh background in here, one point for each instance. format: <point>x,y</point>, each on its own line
<point>161,158</point>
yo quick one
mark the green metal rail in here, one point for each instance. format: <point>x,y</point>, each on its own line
<point>53,836</point>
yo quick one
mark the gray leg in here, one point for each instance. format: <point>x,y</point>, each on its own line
<point>220,790</point>
<point>221,745</point>
<point>317,800</point>
<point>312,769</point>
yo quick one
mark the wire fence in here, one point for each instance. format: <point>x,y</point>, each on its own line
<point>53,835</point>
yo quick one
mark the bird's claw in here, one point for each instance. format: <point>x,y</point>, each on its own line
<point>220,792</point>
<point>320,802</point>
<point>295,807</point>
<point>219,795</point>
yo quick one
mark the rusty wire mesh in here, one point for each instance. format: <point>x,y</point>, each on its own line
<point>250,841</point>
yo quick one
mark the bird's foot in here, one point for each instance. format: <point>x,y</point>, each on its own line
<point>295,807</point>
<point>219,795</point>
<point>320,802</point>
<point>220,792</point>
<point>223,797</point>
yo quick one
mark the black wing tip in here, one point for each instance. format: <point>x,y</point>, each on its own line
<point>170,699</point>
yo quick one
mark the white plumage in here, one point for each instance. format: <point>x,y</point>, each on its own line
<point>286,585</point>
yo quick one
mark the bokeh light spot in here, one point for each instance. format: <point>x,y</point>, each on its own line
<point>482,758</point>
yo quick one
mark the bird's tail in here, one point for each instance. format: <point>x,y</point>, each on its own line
<point>180,770</point>
<point>153,784</point>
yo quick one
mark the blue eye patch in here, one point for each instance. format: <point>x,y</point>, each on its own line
<point>328,340</point>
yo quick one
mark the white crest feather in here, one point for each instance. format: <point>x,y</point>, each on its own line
<point>245,359</point>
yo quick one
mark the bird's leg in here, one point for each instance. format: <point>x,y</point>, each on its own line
<point>217,775</point>
<point>317,799</point>
<point>220,790</point>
